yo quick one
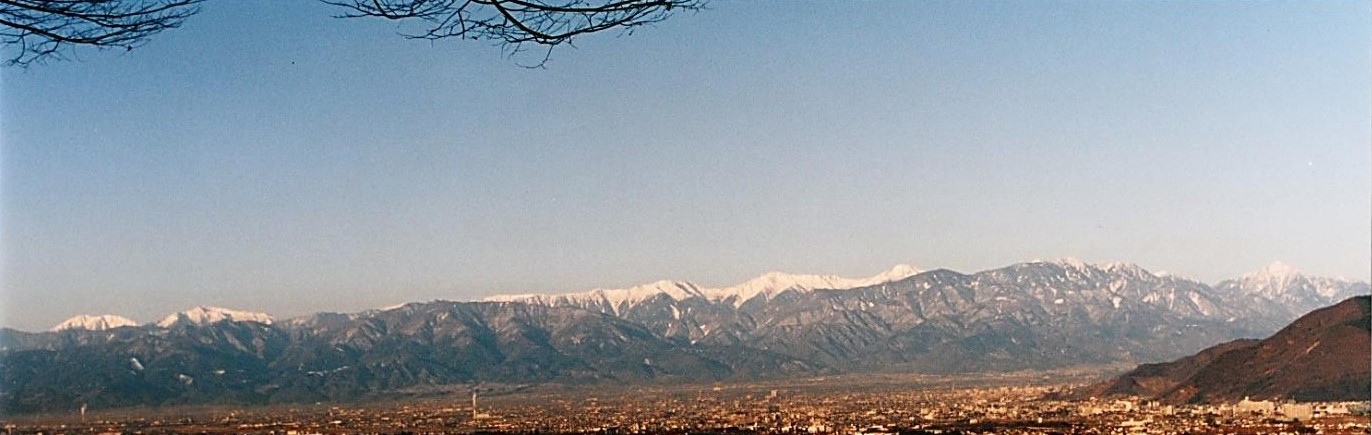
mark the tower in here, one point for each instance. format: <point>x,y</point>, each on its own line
<point>473,404</point>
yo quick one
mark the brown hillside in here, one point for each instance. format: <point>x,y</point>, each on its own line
<point>1324,355</point>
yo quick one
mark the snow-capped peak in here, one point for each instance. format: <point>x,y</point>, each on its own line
<point>393,307</point>
<point>1131,269</point>
<point>1120,266</point>
<point>1276,279</point>
<point>203,315</point>
<point>675,289</point>
<point>1285,285</point>
<point>94,323</point>
<point>1070,262</point>
<point>896,273</point>
<point>614,299</point>
<point>767,285</point>
<point>774,283</point>
<point>1277,271</point>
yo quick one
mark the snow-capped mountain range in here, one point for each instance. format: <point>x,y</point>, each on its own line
<point>1278,290</point>
<point>1275,288</point>
<point>1030,315</point>
<point>765,287</point>
<point>200,315</point>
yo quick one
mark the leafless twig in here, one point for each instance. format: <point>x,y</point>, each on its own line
<point>515,23</point>
<point>42,29</point>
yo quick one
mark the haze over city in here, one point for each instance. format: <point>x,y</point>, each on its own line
<point>268,157</point>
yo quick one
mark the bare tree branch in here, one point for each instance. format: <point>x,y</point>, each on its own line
<point>514,23</point>
<point>42,29</point>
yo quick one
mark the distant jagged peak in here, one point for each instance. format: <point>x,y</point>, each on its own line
<point>895,273</point>
<point>1277,271</point>
<point>768,284</point>
<point>1118,269</point>
<point>204,315</point>
<point>784,280</point>
<point>393,306</point>
<point>94,323</point>
<point>1122,266</point>
<point>1136,270</point>
<point>813,281</point>
<point>773,283</point>
<point>614,297</point>
<point>677,290</point>
<point>1079,264</point>
<point>1071,262</point>
<point>1286,284</point>
<point>1275,279</point>
<point>518,297</point>
<point>1168,275</point>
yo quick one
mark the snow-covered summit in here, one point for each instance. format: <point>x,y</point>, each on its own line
<point>1282,281</point>
<point>767,286</point>
<point>1109,267</point>
<point>675,289</point>
<point>1069,262</point>
<point>1274,273</point>
<point>94,323</point>
<point>614,299</point>
<point>774,283</point>
<point>1285,285</point>
<point>203,315</point>
<point>895,273</point>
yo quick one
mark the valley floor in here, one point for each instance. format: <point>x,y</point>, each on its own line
<point>850,404</point>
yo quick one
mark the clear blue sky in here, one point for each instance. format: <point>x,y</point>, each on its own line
<point>268,157</point>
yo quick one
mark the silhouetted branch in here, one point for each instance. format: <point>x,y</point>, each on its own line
<point>517,22</point>
<point>40,29</point>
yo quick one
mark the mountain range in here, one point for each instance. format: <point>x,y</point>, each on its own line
<point>1040,314</point>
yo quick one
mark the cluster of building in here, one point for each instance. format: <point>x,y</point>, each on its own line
<point>737,408</point>
<point>1244,417</point>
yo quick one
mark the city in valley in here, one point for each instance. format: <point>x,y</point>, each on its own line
<point>1007,403</point>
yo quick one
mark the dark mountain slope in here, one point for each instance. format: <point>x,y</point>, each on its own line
<point>1324,355</point>
<point>332,357</point>
<point>1034,315</point>
<point>1025,316</point>
<point>140,366</point>
<point>1151,380</point>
